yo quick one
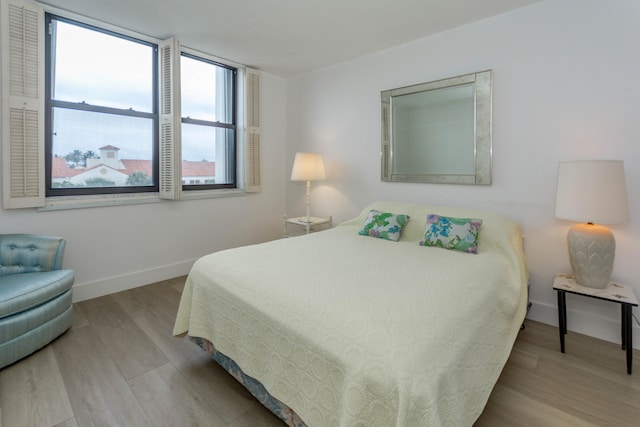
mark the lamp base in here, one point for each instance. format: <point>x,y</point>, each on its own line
<point>591,252</point>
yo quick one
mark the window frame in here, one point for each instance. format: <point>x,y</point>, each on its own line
<point>216,124</point>
<point>51,103</point>
<point>23,111</point>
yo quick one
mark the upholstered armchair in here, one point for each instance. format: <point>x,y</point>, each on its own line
<point>35,294</point>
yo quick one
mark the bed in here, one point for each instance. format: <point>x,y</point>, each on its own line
<point>337,328</point>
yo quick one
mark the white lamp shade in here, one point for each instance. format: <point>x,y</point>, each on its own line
<point>308,167</point>
<point>592,191</point>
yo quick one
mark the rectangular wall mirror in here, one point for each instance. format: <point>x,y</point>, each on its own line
<point>438,132</point>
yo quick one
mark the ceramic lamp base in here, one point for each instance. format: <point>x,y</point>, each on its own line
<point>591,252</point>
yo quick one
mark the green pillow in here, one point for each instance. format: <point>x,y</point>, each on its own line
<point>458,234</point>
<point>384,225</point>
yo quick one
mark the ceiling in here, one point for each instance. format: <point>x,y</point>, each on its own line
<point>289,37</point>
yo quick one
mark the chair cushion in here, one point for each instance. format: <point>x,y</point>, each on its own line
<point>29,253</point>
<point>21,323</point>
<point>25,344</point>
<point>19,292</point>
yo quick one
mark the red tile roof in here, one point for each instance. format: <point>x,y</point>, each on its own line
<point>190,168</point>
<point>131,166</point>
<point>60,169</point>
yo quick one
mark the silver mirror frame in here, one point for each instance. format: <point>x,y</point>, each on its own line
<point>482,83</point>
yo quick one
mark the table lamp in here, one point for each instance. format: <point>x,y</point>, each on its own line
<point>592,192</point>
<point>308,167</point>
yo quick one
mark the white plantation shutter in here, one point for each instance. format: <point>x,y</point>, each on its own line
<point>170,122</point>
<point>22,104</point>
<point>252,153</point>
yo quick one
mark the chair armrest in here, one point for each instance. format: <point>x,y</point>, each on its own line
<point>27,253</point>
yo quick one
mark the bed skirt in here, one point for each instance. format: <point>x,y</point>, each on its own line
<point>254,386</point>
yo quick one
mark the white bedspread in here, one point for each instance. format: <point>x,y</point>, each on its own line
<point>351,330</point>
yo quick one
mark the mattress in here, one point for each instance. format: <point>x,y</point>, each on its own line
<point>353,330</point>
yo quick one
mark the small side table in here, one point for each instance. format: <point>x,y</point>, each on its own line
<point>301,226</point>
<point>614,292</point>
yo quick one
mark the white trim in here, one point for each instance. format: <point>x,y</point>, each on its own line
<point>97,201</point>
<point>64,13</point>
<point>110,285</point>
<point>210,57</point>
<point>212,194</point>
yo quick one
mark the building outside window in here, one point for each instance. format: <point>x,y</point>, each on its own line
<point>101,109</point>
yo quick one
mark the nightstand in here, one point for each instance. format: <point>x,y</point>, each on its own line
<point>614,292</point>
<point>298,226</point>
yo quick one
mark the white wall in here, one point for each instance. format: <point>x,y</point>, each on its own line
<point>565,88</point>
<point>120,247</point>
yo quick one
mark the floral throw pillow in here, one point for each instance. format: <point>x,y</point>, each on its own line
<point>384,225</point>
<point>458,234</point>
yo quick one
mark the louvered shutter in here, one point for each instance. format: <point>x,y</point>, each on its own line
<point>252,159</point>
<point>170,133</point>
<point>22,104</point>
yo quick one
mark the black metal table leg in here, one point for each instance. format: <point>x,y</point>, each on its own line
<point>564,312</point>
<point>628,334</point>
<point>562,318</point>
<point>623,328</point>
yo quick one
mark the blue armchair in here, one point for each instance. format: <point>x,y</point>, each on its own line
<point>35,294</point>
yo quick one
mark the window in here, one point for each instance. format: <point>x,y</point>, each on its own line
<point>102,115</point>
<point>208,109</point>
<point>101,111</point>
<point>89,109</point>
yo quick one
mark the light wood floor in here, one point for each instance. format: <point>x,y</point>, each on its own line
<point>119,366</point>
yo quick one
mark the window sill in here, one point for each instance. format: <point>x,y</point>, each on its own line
<point>212,194</point>
<point>84,202</point>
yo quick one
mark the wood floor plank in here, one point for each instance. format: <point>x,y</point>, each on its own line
<point>178,283</point>
<point>599,393</point>
<point>523,359</point>
<point>155,316</point>
<point>99,394</point>
<point>229,398</point>
<point>130,347</point>
<point>508,407</point>
<point>170,401</point>
<point>33,392</point>
<point>79,319</point>
<point>257,416</point>
<point>71,422</point>
<point>589,392</point>
<point>557,393</point>
<point>162,301</point>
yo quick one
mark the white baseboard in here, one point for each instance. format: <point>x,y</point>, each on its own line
<point>110,285</point>
<point>607,329</point>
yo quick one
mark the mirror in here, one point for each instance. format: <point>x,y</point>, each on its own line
<point>438,132</point>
